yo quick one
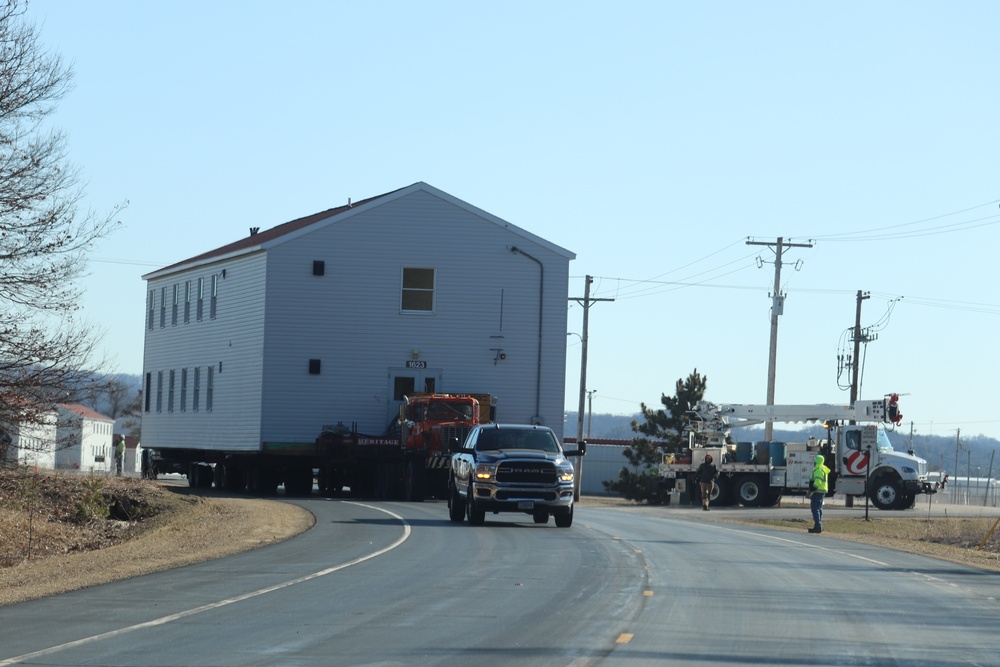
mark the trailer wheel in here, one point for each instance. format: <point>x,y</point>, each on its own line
<point>299,481</point>
<point>564,519</point>
<point>476,515</point>
<point>885,493</point>
<point>456,506</point>
<point>415,481</point>
<point>540,516</point>
<point>749,491</point>
<point>231,477</point>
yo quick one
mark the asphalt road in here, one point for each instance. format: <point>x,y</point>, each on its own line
<point>398,584</point>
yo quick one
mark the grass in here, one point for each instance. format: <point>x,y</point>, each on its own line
<point>955,539</point>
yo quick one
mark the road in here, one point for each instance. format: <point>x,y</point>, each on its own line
<point>397,584</point>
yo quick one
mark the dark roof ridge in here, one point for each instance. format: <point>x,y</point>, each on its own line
<point>257,238</point>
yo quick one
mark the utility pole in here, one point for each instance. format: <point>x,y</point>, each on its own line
<point>859,337</point>
<point>777,307</point>
<point>586,302</point>
<point>958,448</point>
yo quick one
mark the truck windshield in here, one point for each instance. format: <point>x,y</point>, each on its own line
<point>883,441</point>
<point>492,439</point>
<point>445,411</point>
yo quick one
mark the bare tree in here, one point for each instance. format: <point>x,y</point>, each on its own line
<point>44,346</point>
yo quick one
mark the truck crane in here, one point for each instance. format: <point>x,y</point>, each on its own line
<point>754,474</point>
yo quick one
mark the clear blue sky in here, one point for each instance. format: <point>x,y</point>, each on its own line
<point>650,138</point>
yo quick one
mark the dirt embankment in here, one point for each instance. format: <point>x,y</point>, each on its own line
<point>63,532</point>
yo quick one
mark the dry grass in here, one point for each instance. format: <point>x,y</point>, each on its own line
<point>952,539</point>
<point>65,531</point>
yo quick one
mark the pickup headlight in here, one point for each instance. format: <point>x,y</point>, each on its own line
<point>486,471</point>
<point>566,473</point>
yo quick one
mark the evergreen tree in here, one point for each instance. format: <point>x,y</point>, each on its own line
<point>664,431</point>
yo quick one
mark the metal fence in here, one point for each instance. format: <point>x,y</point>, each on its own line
<point>973,491</point>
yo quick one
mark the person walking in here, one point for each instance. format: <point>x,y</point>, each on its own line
<point>705,477</point>
<point>120,455</point>
<point>818,486</point>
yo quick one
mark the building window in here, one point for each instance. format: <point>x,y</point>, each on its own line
<point>209,388</point>
<point>173,305</point>
<point>201,298</point>
<point>159,391</point>
<point>184,389</point>
<point>197,389</point>
<point>149,390</point>
<point>187,301</point>
<point>163,307</point>
<point>170,392</point>
<point>152,310</point>
<point>215,296</point>
<point>418,290</point>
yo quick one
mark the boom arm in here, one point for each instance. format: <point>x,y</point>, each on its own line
<point>722,417</point>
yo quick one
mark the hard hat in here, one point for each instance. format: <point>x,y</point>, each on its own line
<point>708,457</point>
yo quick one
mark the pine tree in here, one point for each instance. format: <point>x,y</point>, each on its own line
<point>664,431</point>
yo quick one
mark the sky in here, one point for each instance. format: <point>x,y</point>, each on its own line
<point>652,139</point>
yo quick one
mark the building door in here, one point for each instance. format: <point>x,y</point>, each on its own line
<point>408,382</point>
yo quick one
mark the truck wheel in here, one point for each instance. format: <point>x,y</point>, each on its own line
<point>749,491</point>
<point>722,493</point>
<point>885,493</point>
<point>456,507</point>
<point>540,516</point>
<point>564,519</point>
<point>476,515</point>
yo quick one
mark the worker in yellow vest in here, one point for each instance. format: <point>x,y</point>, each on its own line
<point>818,486</point>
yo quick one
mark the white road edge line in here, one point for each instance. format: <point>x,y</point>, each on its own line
<point>222,603</point>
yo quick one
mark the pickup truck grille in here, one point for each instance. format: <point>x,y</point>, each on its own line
<point>527,472</point>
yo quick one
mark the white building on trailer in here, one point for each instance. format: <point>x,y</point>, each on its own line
<point>332,318</point>
<point>84,439</point>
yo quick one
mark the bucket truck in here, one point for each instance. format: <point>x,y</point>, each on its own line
<point>856,449</point>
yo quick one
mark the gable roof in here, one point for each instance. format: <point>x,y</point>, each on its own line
<point>84,411</point>
<point>258,241</point>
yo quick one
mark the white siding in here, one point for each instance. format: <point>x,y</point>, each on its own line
<point>350,318</point>
<point>34,445</point>
<point>231,344</point>
<point>82,440</point>
<point>274,316</point>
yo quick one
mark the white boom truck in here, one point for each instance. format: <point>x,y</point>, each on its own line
<point>856,449</point>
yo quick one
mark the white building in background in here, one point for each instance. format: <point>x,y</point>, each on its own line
<point>85,439</point>
<point>32,445</point>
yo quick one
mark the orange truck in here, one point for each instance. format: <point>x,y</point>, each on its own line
<point>411,462</point>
